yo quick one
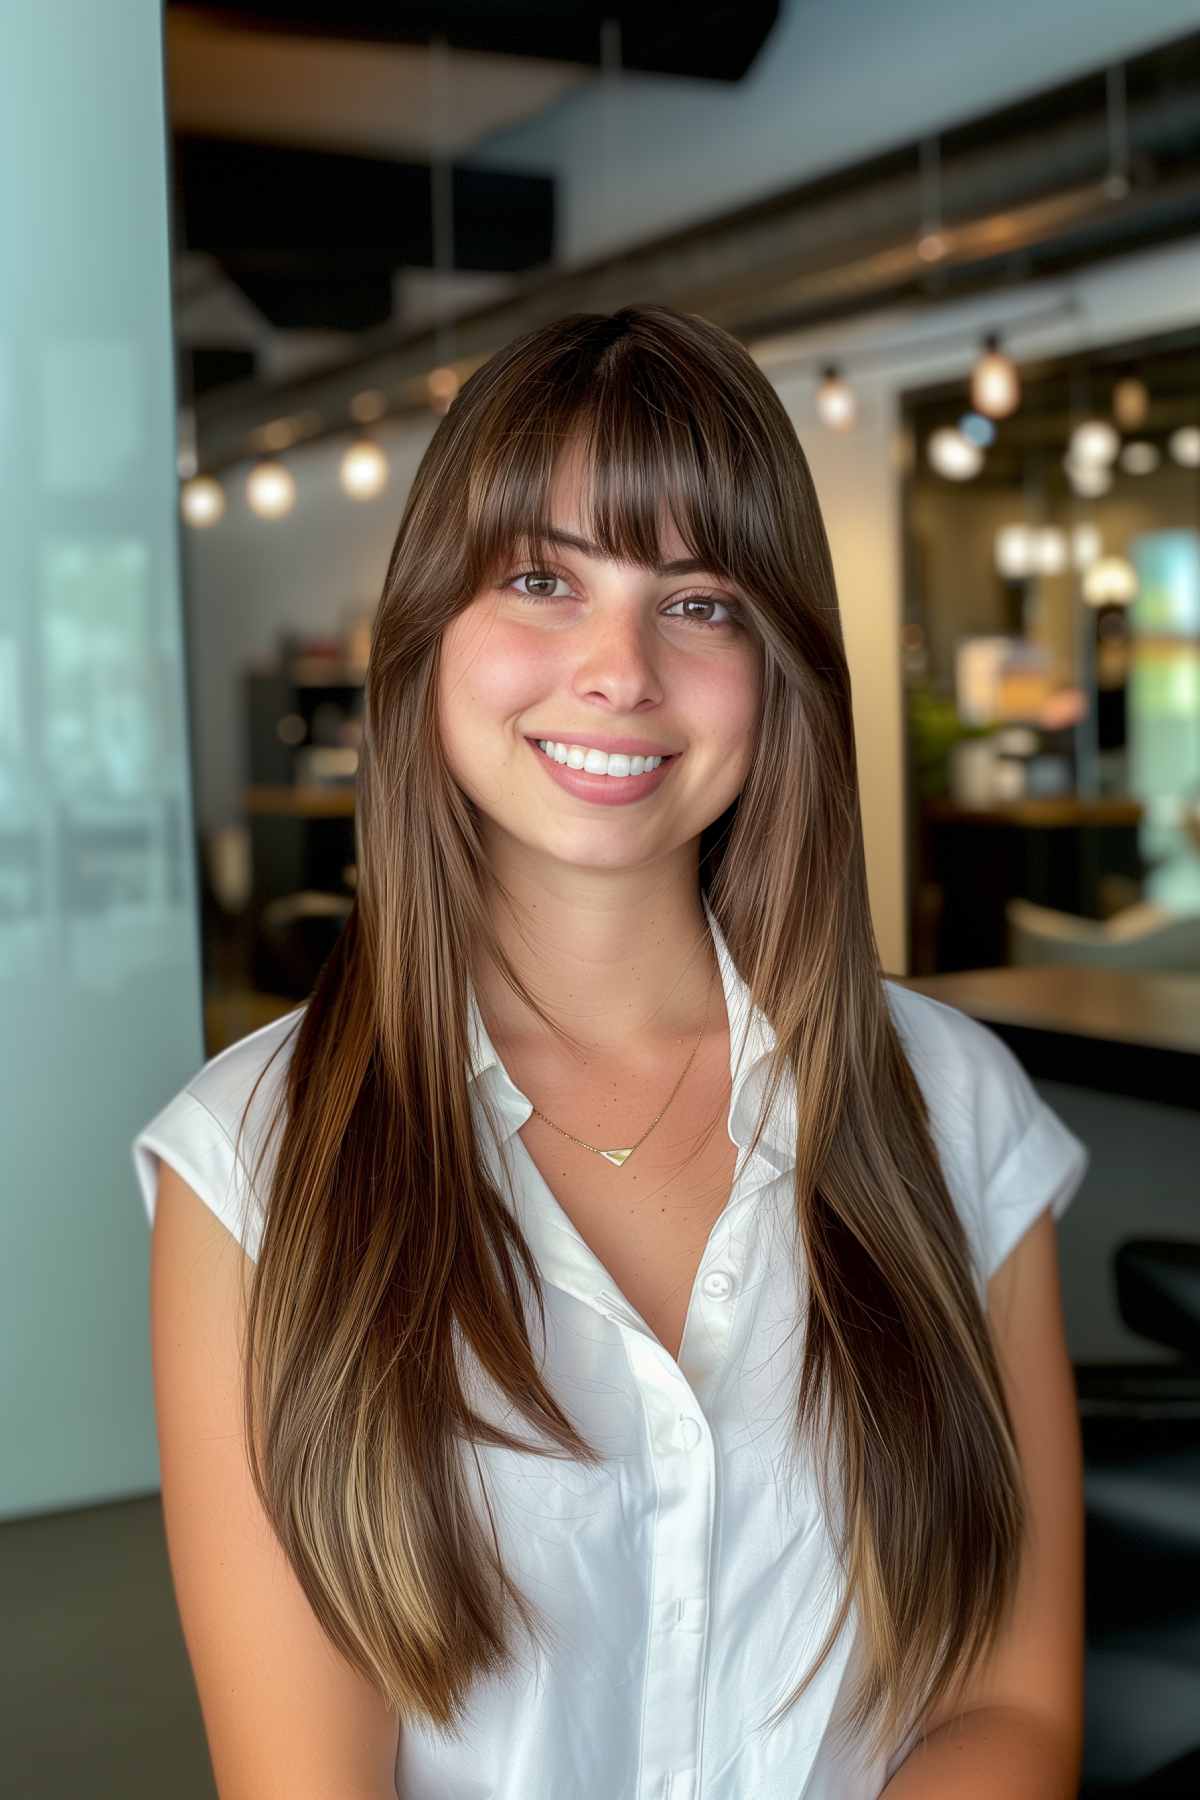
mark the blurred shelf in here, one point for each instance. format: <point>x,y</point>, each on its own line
<point>311,671</point>
<point>1047,809</point>
<point>300,802</point>
<point>317,671</point>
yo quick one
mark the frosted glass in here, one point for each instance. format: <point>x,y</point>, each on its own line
<point>99,957</point>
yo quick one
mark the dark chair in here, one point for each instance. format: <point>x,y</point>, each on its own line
<point>294,934</point>
<point>1141,1443</point>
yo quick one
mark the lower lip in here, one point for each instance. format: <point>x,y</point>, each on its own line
<point>604,790</point>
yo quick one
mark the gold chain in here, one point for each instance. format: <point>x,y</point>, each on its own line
<point>618,1156</point>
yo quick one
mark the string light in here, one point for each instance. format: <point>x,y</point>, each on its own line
<point>364,470</point>
<point>954,455</point>
<point>1013,551</point>
<point>1094,442</point>
<point>1140,458</point>
<point>1184,446</point>
<point>1131,402</point>
<point>835,399</point>
<point>202,500</point>
<point>270,490</point>
<point>1022,550</point>
<point>995,384</point>
<point>1088,480</point>
<point>1112,580</point>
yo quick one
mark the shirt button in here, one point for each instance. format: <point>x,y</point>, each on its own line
<point>689,1432</point>
<point>717,1285</point>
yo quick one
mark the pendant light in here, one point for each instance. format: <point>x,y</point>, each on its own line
<point>835,399</point>
<point>270,489</point>
<point>364,470</point>
<point>995,384</point>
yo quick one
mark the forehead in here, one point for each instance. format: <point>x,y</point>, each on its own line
<point>569,495</point>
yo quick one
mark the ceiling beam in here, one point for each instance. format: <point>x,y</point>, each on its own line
<point>1024,195</point>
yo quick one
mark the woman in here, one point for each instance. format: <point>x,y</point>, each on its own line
<point>658,1381</point>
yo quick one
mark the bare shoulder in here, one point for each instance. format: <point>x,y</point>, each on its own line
<point>1037,1666</point>
<point>301,1723</point>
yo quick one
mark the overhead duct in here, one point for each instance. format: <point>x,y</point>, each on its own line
<point>1025,192</point>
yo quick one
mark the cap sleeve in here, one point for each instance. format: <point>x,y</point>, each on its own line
<point>196,1144</point>
<point>1006,1154</point>
<point>1037,1161</point>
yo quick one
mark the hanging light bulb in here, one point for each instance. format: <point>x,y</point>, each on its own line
<point>835,399</point>
<point>1112,580</point>
<point>1014,551</point>
<point>954,455</point>
<point>1184,446</point>
<point>1093,442</point>
<point>995,384</point>
<point>1139,458</point>
<point>270,490</point>
<point>1131,402</point>
<point>1049,550</point>
<point>202,500</point>
<point>364,470</point>
<point>1087,479</point>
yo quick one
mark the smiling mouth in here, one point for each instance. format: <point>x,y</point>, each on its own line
<point>600,787</point>
<point>661,757</point>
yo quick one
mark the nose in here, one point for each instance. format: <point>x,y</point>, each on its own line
<point>615,657</point>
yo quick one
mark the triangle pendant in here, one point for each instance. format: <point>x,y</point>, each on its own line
<point>617,1156</point>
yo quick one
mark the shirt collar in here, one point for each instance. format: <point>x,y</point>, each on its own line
<point>751,1041</point>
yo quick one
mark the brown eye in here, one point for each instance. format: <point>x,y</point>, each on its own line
<point>536,575</point>
<point>730,607</point>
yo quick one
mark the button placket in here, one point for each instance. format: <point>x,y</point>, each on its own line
<point>682,1450</point>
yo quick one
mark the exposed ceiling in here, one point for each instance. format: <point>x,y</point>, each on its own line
<point>314,265</point>
<point>308,137</point>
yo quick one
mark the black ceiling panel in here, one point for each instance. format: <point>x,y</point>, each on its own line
<point>252,197</point>
<point>203,367</point>
<point>709,40</point>
<point>313,237</point>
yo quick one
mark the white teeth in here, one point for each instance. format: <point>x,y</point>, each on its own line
<point>598,762</point>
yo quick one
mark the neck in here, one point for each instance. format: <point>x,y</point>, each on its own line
<point>620,962</point>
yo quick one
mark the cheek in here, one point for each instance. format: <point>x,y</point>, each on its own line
<point>489,673</point>
<point>725,701</point>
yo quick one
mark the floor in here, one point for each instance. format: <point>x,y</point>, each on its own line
<point>97,1700</point>
<point>96,1692</point>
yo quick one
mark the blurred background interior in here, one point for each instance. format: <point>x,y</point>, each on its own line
<point>964,244</point>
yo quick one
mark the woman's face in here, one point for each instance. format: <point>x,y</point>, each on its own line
<point>585,651</point>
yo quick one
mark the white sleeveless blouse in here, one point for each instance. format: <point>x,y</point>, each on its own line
<point>689,1581</point>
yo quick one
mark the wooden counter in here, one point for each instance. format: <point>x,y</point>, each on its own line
<point>1122,1031</point>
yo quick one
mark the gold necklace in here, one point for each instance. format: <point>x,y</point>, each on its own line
<point>617,1157</point>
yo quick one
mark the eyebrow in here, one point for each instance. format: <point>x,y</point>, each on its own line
<point>684,565</point>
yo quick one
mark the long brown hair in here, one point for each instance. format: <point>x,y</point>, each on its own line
<point>391,1266</point>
